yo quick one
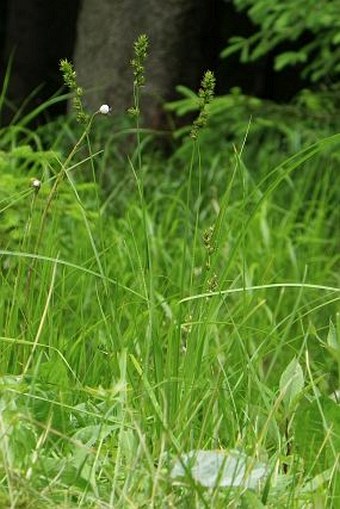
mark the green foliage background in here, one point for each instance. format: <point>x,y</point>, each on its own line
<point>174,303</point>
<point>315,24</point>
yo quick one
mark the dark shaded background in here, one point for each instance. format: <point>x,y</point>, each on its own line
<point>37,33</point>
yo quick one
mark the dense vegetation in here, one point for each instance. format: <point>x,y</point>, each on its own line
<point>153,306</point>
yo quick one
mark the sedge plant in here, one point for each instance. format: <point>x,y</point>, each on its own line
<point>168,355</point>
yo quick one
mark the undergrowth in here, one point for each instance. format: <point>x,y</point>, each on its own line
<point>151,307</point>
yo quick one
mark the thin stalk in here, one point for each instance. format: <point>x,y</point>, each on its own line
<point>52,194</point>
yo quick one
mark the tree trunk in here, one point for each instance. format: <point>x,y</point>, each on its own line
<point>104,48</point>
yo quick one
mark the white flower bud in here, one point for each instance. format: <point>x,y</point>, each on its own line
<point>104,109</point>
<point>36,184</point>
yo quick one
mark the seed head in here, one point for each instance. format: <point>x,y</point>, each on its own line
<point>138,62</point>
<point>70,80</point>
<point>205,96</point>
<point>36,184</point>
<point>104,109</point>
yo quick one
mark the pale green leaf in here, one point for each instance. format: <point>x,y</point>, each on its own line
<point>221,468</point>
<point>291,382</point>
<point>332,340</point>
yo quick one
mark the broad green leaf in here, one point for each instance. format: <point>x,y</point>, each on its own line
<point>332,340</point>
<point>316,433</point>
<point>54,372</point>
<point>336,38</point>
<point>291,383</point>
<point>318,481</point>
<point>221,468</point>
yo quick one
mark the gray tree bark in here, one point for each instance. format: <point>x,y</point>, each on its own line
<point>104,48</point>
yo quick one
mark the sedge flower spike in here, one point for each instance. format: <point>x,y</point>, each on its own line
<point>70,80</point>
<point>205,96</point>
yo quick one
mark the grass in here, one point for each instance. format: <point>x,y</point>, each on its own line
<point>188,305</point>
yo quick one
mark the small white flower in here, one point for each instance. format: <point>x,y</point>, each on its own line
<point>104,109</point>
<point>36,184</point>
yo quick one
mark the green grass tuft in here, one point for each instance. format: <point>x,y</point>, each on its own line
<point>151,307</point>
